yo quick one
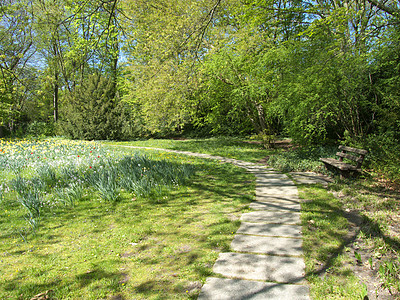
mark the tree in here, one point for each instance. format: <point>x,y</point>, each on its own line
<point>76,39</point>
<point>17,50</point>
<point>166,41</point>
<point>92,112</point>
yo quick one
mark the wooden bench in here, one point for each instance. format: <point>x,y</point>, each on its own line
<point>346,168</point>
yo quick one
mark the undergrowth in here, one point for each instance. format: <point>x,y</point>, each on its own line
<point>301,159</point>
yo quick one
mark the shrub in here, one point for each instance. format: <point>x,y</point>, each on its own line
<point>384,154</point>
<point>40,129</point>
<point>301,159</point>
<point>92,111</point>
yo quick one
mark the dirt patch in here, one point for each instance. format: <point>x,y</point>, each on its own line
<point>366,256</point>
<point>193,286</point>
<point>125,278</point>
<point>116,297</point>
<point>128,254</point>
<point>366,267</point>
<point>264,161</point>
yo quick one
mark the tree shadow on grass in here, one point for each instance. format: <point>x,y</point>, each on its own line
<point>357,223</point>
<point>27,290</point>
<point>97,274</point>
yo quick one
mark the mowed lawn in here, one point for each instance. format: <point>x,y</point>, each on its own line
<point>155,245</point>
<point>121,223</point>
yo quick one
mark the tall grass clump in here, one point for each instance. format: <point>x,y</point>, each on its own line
<point>3,190</point>
<point>30,197</point>
<point>389,271</point>
<point>51,175</point>
<point>143,176</point>
<point>104,181</point>
<point>47,175</point>
<point>70,194</point>
<point>68,173</point>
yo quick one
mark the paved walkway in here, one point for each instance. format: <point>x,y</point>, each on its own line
<point>266,262</point>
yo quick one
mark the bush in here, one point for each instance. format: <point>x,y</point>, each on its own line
<point>384,155</point>
<point>301,159</point>
<point>93,111</point>
<point>40,129</point>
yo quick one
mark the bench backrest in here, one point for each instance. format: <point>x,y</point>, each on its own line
<point>345,154</point>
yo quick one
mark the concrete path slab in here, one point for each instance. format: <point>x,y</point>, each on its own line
<point>278,199</point>
<point>265,176</point>
<point>263,205</point>
<point>275,182</point>
<point>275,217</point>
<point>267,245</point>
<point>277,190</point>
<point>236,289</point>
<point>282,230</point>
<point>260,267</point>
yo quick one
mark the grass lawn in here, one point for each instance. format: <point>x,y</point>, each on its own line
<point>237,148</point>
<point>351,240</point>
<point>160,246</point>
<point>163,244</point>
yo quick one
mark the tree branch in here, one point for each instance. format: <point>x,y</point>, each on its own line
<point>390,10</point>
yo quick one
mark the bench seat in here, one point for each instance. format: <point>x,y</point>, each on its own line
<point>344,167</point>
<point>339,164</point>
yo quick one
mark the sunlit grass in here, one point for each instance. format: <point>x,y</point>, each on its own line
<point>325,237</point>
<point>154,247</point>
<point>236,148</point>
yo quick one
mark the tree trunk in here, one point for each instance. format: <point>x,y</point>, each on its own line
<point>55,97</point>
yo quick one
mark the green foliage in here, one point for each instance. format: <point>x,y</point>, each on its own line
<point>18,78</point>
<point>40,129</point>
<point>70,194</point>
<point>93,112</point>
<point>30,197</point>
<point>1,193</point>
<point>105,183</point>
<point>301,159</point>
<point>241,80</point>
<point>383,154</point>
<point>389,271</point>
<point>47,175</point>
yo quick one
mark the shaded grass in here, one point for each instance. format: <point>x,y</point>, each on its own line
<point>377,206</point>
<point>325,236</point>
<point>350,231</point>
<point>143,248</point>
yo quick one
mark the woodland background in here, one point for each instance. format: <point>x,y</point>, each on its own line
<point>320,72</point>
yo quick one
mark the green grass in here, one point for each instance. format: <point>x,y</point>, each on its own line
<point>163,246</point>
<point>136,247</point>
<point>301,159</point>
<point>325,237</point>
<point>236,148</point>
<point>357,227</point>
